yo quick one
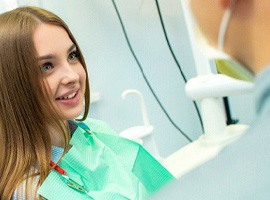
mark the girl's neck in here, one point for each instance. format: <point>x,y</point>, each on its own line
<point>56,138</point>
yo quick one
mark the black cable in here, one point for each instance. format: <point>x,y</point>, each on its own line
<point>175,59</point>
<point>230,120</point>
<point>145,78</point>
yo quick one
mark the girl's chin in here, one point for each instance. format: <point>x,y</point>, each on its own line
<point>71,114</point>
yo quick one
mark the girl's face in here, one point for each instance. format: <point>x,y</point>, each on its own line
<point>63,73</point>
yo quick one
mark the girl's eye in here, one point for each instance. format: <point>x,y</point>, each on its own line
<point>74,55</point>
<point>46,67</point>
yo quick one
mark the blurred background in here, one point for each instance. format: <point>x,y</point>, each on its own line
<point>112,67</point>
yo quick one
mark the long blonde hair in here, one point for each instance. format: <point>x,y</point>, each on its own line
<point>25,109</point>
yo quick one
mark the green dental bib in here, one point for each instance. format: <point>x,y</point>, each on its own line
<point>108,166</point>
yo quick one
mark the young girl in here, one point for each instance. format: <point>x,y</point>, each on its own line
<point>44,85</point>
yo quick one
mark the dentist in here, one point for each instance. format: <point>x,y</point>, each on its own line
<point>241,171</point>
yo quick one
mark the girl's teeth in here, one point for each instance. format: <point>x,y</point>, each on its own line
<point>72,95</point>
<point>68,97</point>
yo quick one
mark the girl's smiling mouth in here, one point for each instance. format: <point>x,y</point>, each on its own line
<point>71,99</point>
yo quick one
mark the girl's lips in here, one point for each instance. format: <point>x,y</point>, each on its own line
<point>71,99</point>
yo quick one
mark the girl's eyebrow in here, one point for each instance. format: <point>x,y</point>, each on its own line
<point>71,48</point>
<point>46,57</point>
<point>51,56</point>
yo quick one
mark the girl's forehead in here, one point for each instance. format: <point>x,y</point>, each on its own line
<point>51,39</point>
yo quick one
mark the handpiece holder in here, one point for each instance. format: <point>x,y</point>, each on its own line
<point>208,90</point>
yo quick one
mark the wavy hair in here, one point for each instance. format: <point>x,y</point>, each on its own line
<point>25,109</point>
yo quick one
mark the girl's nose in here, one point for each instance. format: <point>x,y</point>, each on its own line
<point>69,74</point>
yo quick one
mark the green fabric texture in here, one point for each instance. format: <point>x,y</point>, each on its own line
<point>108,166</point>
